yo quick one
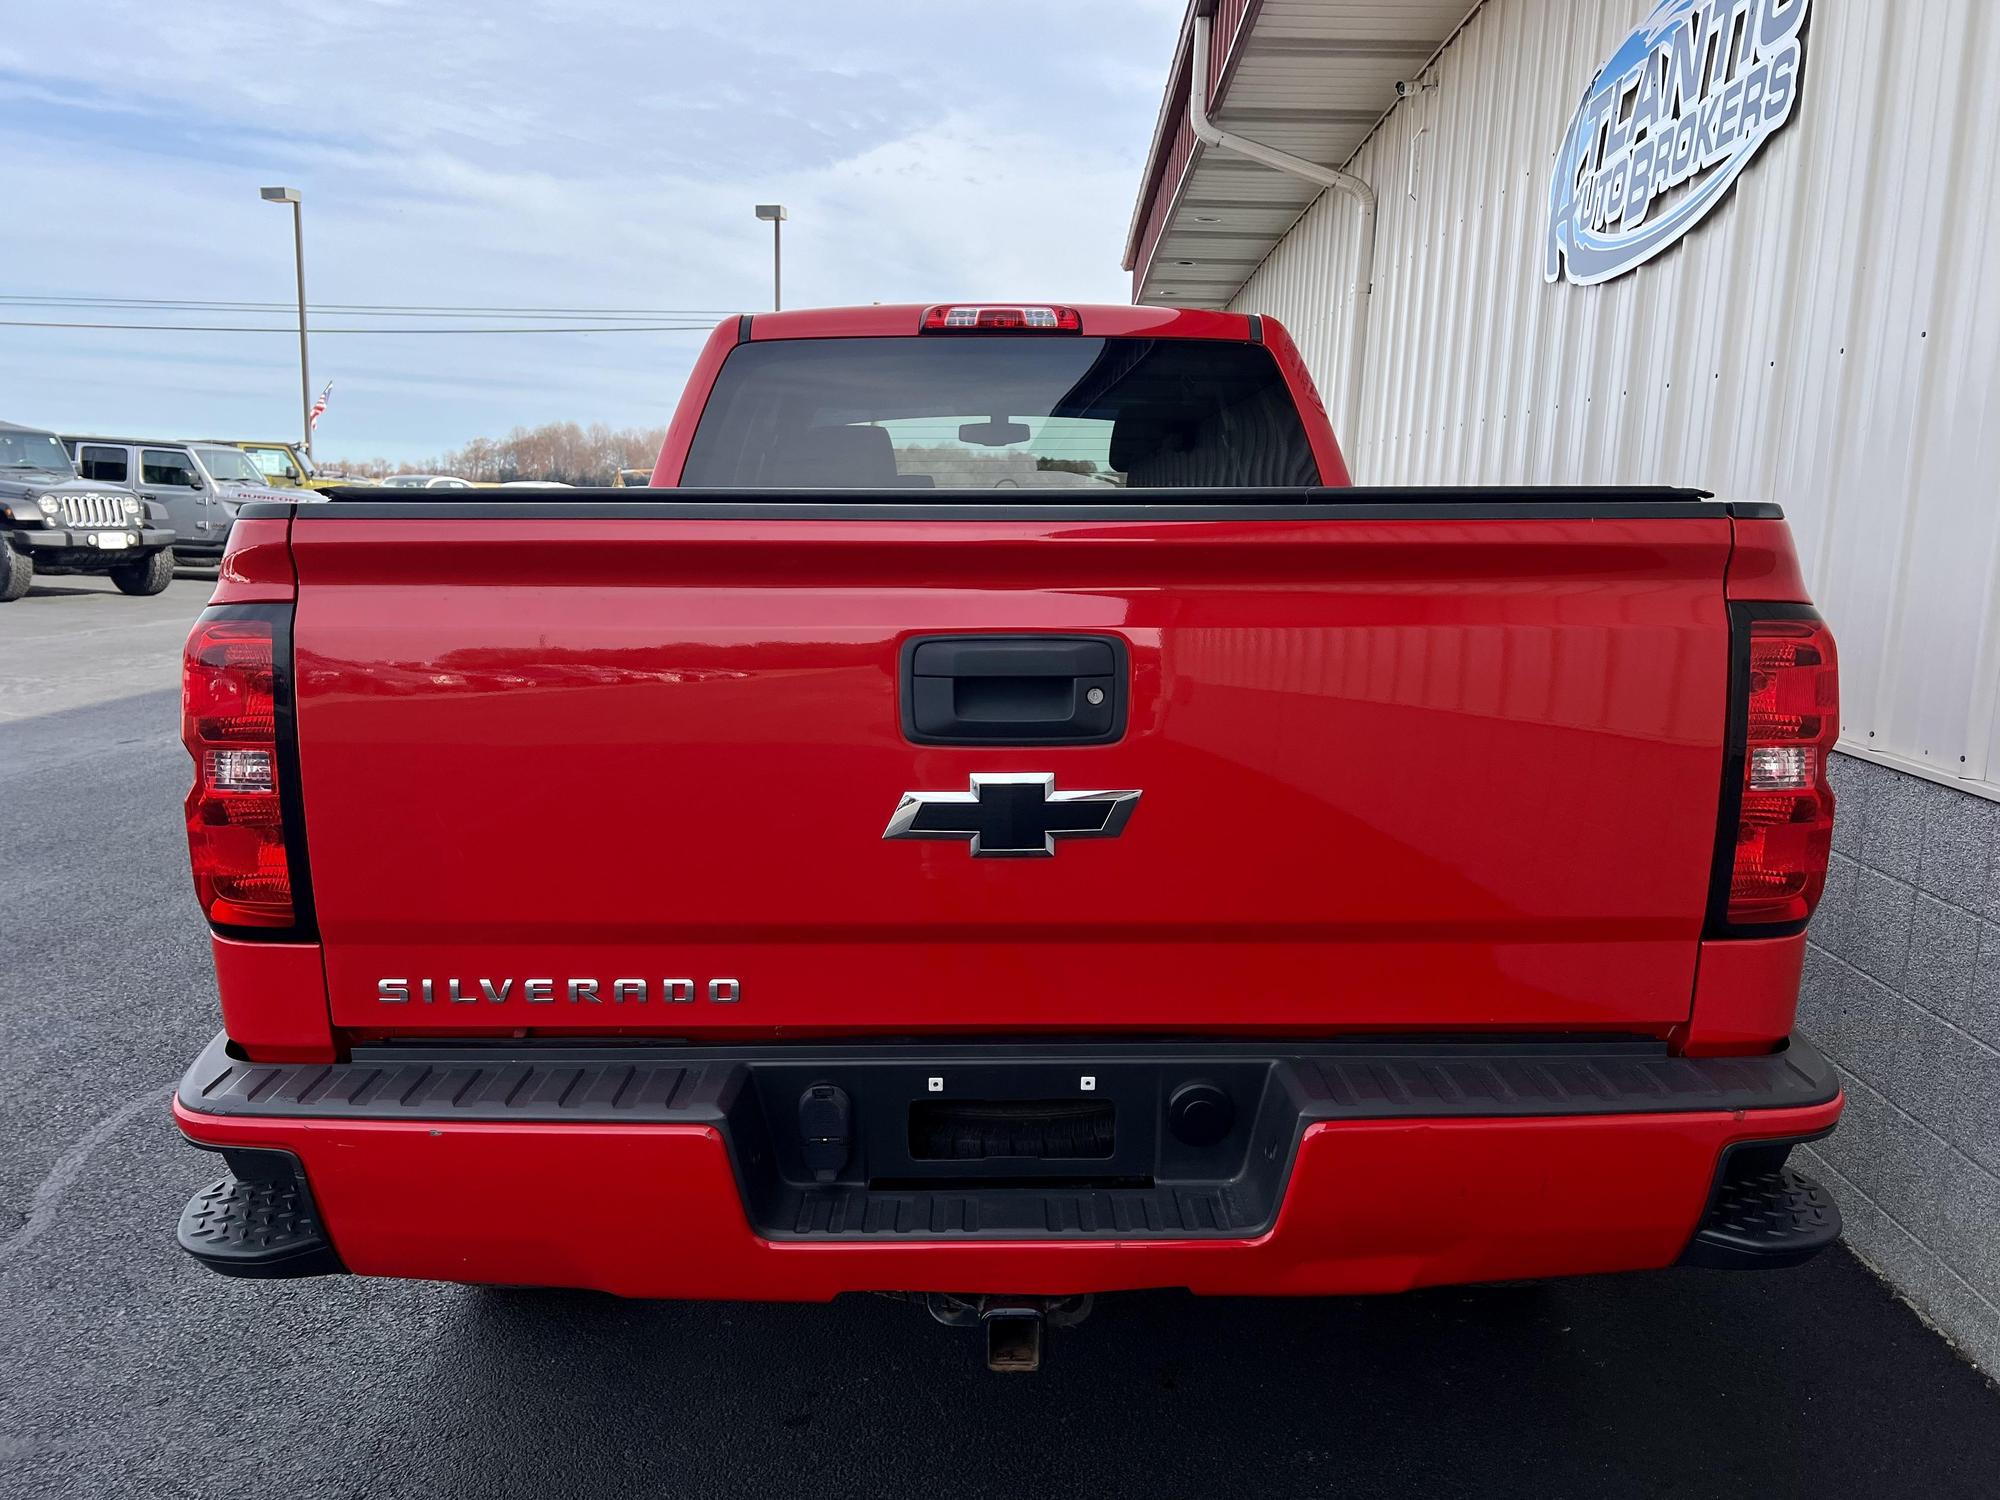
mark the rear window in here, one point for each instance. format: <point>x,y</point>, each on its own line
<point>231,464</point>
<point>999,412</point>
<point>275,463</point>
<point>101,463</point>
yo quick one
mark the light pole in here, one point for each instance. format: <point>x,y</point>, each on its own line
<point>775,212</point>
<point>291,196</point>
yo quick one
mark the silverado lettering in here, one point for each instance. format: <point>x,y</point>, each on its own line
<point>544,991</point>
<point>1458,940</point>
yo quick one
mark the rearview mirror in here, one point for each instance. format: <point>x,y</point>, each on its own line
<point>997,433</point>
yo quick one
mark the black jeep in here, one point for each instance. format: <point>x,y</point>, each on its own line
<point>53,522</point>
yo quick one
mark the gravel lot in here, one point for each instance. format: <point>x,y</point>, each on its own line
<point>131,1371</point>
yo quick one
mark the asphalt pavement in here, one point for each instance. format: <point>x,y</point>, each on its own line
<point>125,1369</point>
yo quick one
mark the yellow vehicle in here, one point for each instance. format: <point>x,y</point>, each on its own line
<point>286,465</point>
<point>633,479</point>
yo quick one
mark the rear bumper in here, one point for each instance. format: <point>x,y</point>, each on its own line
<point>675,1172</point>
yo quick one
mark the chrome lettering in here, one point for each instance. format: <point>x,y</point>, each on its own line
<point>580,990</point>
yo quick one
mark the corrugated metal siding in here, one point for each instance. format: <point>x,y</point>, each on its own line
<point>1829,338</point>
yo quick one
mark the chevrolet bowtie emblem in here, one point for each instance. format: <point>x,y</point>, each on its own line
<point>1014,815</point>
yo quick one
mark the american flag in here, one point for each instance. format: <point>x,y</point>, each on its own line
<point>312,419</point>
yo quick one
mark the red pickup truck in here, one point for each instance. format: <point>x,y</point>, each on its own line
<point>1002,818</point>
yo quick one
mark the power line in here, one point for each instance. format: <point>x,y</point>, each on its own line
<point>294,328</point>
<point>339,312</point>
<point>709,320</point>
<point>109,297</point>
<point>418,309</point>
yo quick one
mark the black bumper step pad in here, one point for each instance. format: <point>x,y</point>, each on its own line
<point>1763,1215</point>
<point>1016,1213</point>
<point>690,1084</point>
<point>495,1088</point>
<point>263,1224</point>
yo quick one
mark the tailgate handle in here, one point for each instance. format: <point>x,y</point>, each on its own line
<point>1014,689</point>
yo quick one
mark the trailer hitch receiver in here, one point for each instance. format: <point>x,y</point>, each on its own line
<point>1013,1325</point>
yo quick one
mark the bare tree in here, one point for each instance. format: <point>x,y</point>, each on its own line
<point>561,451</point>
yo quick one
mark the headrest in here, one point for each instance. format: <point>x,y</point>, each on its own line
<point>1137,440</point>
<point>836,457</point>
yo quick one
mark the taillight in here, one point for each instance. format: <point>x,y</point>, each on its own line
<point>230,705</point>
<point>978,318</point>
<point>1783,805</point>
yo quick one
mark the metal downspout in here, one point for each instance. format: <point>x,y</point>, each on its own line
<point>1362,286</point>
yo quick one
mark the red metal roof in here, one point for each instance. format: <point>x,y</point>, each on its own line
<point>1311,77</point>
<point>1173,136</point>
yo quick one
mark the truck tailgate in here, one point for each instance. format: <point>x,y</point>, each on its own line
<point>1395,774</point>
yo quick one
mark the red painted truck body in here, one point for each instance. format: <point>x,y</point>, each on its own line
<point>1442,872</point>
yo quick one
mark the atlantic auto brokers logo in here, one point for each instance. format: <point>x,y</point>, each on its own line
<point>1666,127</point>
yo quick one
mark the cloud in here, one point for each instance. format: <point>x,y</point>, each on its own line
<point>516,153</point>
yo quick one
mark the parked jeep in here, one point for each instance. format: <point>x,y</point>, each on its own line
<point>282,464</point>
<point>197,487</point>
<point>53,522</point>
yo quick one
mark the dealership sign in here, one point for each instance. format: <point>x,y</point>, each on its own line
<point>1666,126</point>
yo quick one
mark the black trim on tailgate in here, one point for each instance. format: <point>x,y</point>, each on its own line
<point>1429,503</point>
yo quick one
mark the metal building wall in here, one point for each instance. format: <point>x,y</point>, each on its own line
<point>1827,338</point>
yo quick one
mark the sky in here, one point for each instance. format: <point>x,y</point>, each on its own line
<point>508,153</point>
